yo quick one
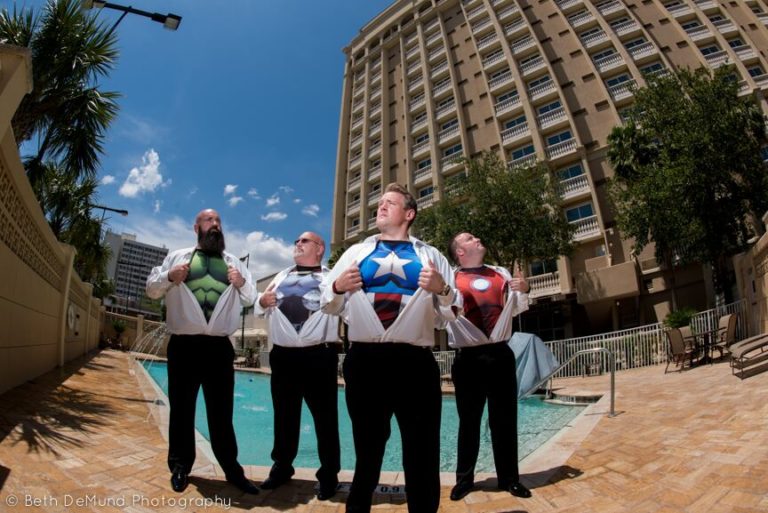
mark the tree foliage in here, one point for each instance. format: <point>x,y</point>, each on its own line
<point>515,212</point>
<point>688,169</point>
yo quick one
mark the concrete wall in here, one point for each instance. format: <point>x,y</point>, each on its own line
<point>47,313</point>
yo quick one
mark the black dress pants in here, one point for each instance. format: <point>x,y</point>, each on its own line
<point>385,379</point>
<point>195,361</point>
<point>309,374</point>
<point>481,373</point>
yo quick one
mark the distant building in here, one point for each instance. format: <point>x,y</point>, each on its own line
<point>427,82</point>
<point>129,266</point>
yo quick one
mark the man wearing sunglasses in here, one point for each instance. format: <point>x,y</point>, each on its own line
<point>393,291</point>
<point>205,289</point>
<point>304,361</point>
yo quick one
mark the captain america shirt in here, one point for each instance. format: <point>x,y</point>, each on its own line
<point>484,291</point>
<point>390,277</point>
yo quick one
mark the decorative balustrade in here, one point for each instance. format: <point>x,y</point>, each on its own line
<point>558,150</point>
<point>574,186</point>
<point>544,284</point>
<point>586,227</point>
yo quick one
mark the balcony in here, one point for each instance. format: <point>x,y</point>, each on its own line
<point>412,52</point>
<point>445,109</point>
<point>594,39</point>
<point>374,150</point>
<point>356,123</point>
<point>374,197</point>
<point>419,124</point>
<point>725,27</point>
<point>523,44</point>
<point>717,59</point>
<point>622,29</point>
<point>376,78</point>
<point>495,57</point>
<point>610,8</point>
<point>527,160</point>
<point>562,148</point>
<point>574,187</point>
<point>643,50</point>
<point>621,91</point>
<point>761,80</point>
<point>609,62</point>
<point>354,183</point>
<point>415,83</point>
<point>516,26</point>
<point>580,19</point>
<point>422,174</point>
<point>375,128</point>
<point>480,25</point>
<point>706,5</point>
<point>353,207</point>
<point>586,228</point>
<point>698,33</point>
<point>475,12</point>
<point>375,94</point>
<point>444,136</point>
<point>500,80</point>
<point>434,38</point>
<point>552,118</point>
<point>355,161</point>
<point>542,90</point>
<point>507,105</point>
<point>544,285</point>
<point>532,65</point>
<point>420,148</point>
<point>565,5</point>
<point>371,223</point>
<point>431,25</point>
<point>438,69</point>
<point>426,200</point>
<point>744,52</point>
<point>440,50</point>
<point>487,41</point>
<point>357,105</point>
<point>374,173</point>
<point>414,67</point>
<point>508,12</point>
<point>515,133</point>
<point>450,161</point>
<point>679,10</point>
<point>352,230</point>
<point>417,102</point>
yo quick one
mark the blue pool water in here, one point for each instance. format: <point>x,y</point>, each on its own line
<point>537,422</point>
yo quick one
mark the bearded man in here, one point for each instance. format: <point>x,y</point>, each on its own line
<point>204,289</point>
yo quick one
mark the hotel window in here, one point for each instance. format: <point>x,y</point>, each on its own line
<point>549,107</point>
<point>522,152</point>
<point>539,267</point>
<point>570,172</point>
<point>558,138</point>
<point>497,74</point>
<point>605,53</point>
<point>444,103</point>
<point>619,21</point>
<point>450,124</point>
<point>736,42</point>
<point>453,150</point>
<point>652,68</point>
<point>620,79</point>
<point>426,191</point>
<point>581,212</point>
<point>420,139</point>
<point>589,32</point>
<point>708,50</point>
<point>507,96</point>
<point>691,25</point>
<point>539,81</point>
<point>419,118</point>
<point>514,122</point>
<point>375,163</point>
<point>755,71</point>
<point>423,164</point>
<point>529,59</point>
<point>635,42</point>
<point>716,17</point>
<point>441,83</point>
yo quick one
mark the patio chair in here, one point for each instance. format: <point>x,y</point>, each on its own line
<point>726,334</point>
<point>678,351</point>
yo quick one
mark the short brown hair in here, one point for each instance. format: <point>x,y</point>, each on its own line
<point>409,200</point>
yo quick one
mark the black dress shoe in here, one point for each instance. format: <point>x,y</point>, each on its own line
<point>272,483</point>
<point>519,490</point>
<point>327,491</point>
<point>245,485</point>
<point>461,490</point>
<point>179,480</point>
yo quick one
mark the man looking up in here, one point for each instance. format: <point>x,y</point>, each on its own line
<point>204,289</point>
<point>304,361</point>
<point>393,290</point>
<point>484,368</point>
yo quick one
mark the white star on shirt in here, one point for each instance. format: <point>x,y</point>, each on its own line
<point>391,264</point>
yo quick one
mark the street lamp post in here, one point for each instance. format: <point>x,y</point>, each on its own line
<point>104,209</point>
<point>169,21</point>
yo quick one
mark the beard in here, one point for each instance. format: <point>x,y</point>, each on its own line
<point>211,241</point>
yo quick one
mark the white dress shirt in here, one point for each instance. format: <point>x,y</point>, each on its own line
<point>416,322</point>
<point>319,328</point>
<point>463,333</point>
<point>184,314</point>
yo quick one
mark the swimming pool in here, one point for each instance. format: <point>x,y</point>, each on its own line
<point>537,422</point>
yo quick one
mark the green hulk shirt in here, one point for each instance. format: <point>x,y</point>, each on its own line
<point>207,279</point>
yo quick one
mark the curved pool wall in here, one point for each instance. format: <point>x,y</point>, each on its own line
<point>538,421</point>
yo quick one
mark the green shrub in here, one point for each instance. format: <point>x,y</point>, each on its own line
<point>679,318</point>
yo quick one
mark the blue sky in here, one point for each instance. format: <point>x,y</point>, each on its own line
<point>238,110</point>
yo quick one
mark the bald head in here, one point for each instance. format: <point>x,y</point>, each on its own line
<point>210,237</point>
<point>308,249</point>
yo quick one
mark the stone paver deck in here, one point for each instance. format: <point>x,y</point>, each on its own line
<point>90,438</point>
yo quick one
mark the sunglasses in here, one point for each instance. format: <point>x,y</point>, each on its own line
<point>304,241</point>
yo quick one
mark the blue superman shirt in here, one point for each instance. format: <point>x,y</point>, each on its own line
<point>390,276</point>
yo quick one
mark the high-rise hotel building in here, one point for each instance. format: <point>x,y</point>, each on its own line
<point>427,81</point>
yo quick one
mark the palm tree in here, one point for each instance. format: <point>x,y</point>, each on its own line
<point>66,112</point>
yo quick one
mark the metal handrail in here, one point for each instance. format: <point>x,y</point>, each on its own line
<point>588,351</point>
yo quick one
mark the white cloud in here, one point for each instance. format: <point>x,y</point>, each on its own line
<point>297,200</point>
<point>158,204</point>
<point>273,200</point>
<point>145,178</point>
<point>311,210</point>
<point>107,179</point>
<point>142,131</point>
<point>234,200</point>
<point>274,216</point>
<point>268,254</point>
<point>229,189</point>
<point>253,193</point>
<point>192,191</point>
<point>285,189</point>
